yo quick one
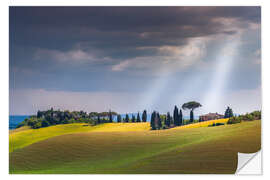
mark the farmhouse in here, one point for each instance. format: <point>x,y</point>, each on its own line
<point>210,116</point>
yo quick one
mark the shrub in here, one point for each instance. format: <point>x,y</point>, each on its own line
<point>220,124</point>
<point>20,125</point>
<point>45,123</point>
<point>215,124</point>
<point>23,123</point>
<point>31,122</point>
<point>37,125</point>
<point>256,114</point>
<point>234,120</point>
<point>248,117</point>
<point>72,120</point>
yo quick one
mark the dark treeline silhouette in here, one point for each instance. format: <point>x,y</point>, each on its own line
<point>138,118</point>
<point>134,119</point>
<point>177,117</point>
<point>54,117</point>
<point>144,116</point>
<point>119,118</point>
<point>157,121</point>
<point>166,121</point>
<point>127,118</point>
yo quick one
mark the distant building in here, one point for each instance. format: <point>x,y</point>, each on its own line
<point>210,116</point>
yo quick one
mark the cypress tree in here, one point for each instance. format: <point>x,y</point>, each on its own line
<point>191,117</point>
<point>228,113</point>
<point>39,114</point>
<point>98,119</point>
<point>180,119</point>
<point>152,123</point>
<point>159,123</point>
<point>144,116</point>
<point>168,120</point>
<point>175,116</point>
<point>133,118</point>
<point>171,120</point>
<point>138,117</point>
<point>127,118</point>
<point>118,118</point>
<point>110,117</point>
<point>155,120</point>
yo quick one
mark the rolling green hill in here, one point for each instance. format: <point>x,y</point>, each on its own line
<point>25,136</point>
<point>131,148</point>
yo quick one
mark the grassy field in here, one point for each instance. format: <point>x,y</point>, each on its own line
<point>132,148</point>
<point>25,136</point>
<point>203,124</point>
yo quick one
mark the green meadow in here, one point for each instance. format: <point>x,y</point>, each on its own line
<point>131,148</point>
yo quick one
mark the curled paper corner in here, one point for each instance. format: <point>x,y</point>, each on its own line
<point>249,163</point>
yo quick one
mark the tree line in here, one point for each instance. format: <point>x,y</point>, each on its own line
<point>54,117</point>
<point>255,115</point>
<point>166,121</point>
<point>133,119</point>
<point>157,121</point>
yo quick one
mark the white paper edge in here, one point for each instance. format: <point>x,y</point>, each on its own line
<point>249,164</point>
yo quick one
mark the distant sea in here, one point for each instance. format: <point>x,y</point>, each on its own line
<point>15,120</point>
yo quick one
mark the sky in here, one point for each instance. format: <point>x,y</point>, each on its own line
<point>128,59</point>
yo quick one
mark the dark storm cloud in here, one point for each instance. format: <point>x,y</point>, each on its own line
<point>141,56</point>
<point>119,27</point>
<point>124,18</point>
